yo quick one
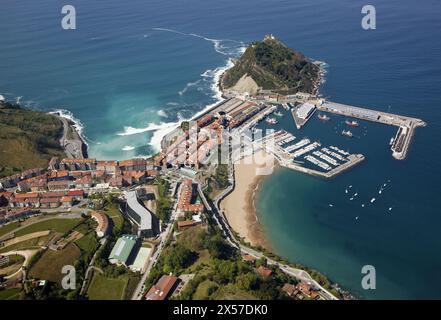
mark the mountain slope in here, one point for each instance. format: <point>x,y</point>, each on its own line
<point>274,66</point>
<point>28,138</point>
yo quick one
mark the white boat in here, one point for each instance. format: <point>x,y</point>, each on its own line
<point>391,142</point>
<point>278,113</point>
<point>347,133</point>
<point>372,200</point>
<point>323,117</point>
<point>331,205</point>
<point>271,121</point>
<point>352,123</point>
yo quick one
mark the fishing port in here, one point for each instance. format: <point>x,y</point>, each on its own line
<point>231,118</point>
<point>406,125</point>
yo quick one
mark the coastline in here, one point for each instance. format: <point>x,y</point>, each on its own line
<point>72,140</point>
<point>239,206</point>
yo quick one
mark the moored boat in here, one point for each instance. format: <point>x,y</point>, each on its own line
<point>352,123</point>
<point>347,133</point>
<point>271,121</point>
<point>323,117</point>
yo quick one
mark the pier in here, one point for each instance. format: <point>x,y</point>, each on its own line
<point>406,125</point>
<point>352,160</point>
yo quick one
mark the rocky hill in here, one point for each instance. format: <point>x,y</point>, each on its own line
<point>271,65</point>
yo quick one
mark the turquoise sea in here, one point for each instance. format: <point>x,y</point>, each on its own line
<point>132,69</point>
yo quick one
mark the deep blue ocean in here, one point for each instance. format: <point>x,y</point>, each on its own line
<point>132,69</point>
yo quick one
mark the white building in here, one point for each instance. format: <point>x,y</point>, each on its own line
<point>305,110</point>
<point>140,215</point>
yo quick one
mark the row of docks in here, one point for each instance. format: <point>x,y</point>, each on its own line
<point>284,138</point>
<point>306,149</point>
<point>339,151</point>
<point>298,145</point>
<point>325,157</point>
<point>317,162</point>
<point>334,154</point>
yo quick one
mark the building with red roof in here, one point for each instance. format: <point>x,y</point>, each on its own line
<point>163,288</point>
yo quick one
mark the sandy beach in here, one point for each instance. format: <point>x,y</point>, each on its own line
<point>239,206</point>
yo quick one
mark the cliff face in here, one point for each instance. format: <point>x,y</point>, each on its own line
<point>273,66</point>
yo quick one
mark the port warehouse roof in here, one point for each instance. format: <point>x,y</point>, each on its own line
<point>145,222</point>
<point>122,249</point>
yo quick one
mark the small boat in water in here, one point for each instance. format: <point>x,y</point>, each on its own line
<point>391,142</point>
<point>271,121</point>
<point>352,123</point>
<point>323,117</point>
<point>372,200</point>
<point>278,113</point>
<point>347,133</point>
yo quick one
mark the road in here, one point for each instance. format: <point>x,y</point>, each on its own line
<point>91,267</point>
<point>221,220</point>
<point>72,147</point>
<point>138,293</point>
<point>27,254</point>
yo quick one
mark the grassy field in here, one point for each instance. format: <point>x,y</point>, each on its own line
<point>231,292</point>
<point>56,225</point>
<point>88,243</point>
<point>49,266</point>
<point>102,288</point>
<point>28,244</point>
<point>10,294</point>
<point>28,139</point>
<point>8,228</point>
<point>202,291</point>
<point>115,215</point>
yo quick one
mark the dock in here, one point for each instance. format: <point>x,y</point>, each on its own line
<point>352,160</point>
<point>406,125</point>
<point>302,114</point>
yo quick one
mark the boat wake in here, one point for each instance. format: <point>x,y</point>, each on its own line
<point>219,45</point>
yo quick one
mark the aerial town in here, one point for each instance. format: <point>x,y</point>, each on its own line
<point>145,206</point>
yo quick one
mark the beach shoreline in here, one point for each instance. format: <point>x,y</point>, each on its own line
<point>239,206</point>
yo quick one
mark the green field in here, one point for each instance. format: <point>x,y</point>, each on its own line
<point>231,292</point>
<point>28,244</point>
<point>113,213</point>
<point>56,225</point>
<point>8,228</point>
<point>87,243</point>
<point>28,139</point>
<point>49,265</point>
<point>102,288</point>
<point>203,290</point>
<point>10,294</point>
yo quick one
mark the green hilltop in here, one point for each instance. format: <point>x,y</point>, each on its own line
<point>273,66</point>
<point>28,138</point>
